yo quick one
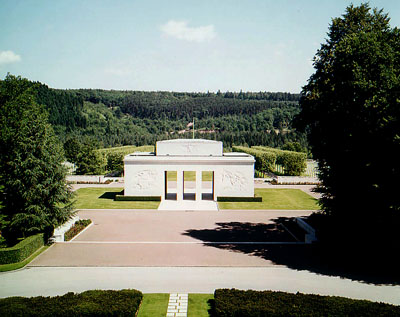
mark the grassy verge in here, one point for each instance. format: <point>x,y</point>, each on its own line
<point>103,198</point>
<point>18,265</point>
<point>198,305</point>
<point>280,198</point>
<point>154,305</point>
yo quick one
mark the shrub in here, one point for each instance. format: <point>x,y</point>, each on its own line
<point>239,199</point>
<point>21,250</point>
<point>89,303</point>
<point>137,198</point>
<point>115,155</point>
<point>76,228</point>
<point>232,302</point>
<point>294,163</point>
<point>265,161</point>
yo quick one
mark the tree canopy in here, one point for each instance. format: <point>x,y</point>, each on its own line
<point>351,109</point>
<point>32,179</point>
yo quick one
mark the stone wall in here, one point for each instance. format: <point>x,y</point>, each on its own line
<point>293,180</point>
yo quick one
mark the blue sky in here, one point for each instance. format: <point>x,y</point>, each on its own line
<point>253,45</point>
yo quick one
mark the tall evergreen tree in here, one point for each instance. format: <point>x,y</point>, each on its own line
<point>351,109</point>
<point>34,194</point>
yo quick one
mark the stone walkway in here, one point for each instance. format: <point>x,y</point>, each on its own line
<point>188,205</point>
<point>177,305</point>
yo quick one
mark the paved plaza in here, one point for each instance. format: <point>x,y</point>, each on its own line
<point>170,238</point>
<point>184,252</point>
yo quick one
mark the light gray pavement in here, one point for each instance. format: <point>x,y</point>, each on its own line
<point>168,238</point>
<point>50,281</point>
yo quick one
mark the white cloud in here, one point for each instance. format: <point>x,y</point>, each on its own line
<point>7,57</point>
<point>181,31</point>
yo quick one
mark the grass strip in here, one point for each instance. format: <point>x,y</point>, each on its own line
<point>154,305</point>
<point>199,305</point>
<point>279,198</point>
<point>103,198</point>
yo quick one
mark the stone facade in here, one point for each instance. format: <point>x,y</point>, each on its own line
<point>233,173</point>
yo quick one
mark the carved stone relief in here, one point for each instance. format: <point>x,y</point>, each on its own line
<point>144,179</point>
<point>233,180</point>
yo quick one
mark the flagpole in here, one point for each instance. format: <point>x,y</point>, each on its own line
<point>193,128</point>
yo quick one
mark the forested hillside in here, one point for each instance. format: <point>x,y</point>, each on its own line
<point>114,118</point>
<point>136,117</point>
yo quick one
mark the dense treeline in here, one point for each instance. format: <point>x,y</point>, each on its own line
<point>139,118</point>
<point>186,106</point>
<point>114,118</point>
<point>65,109</point>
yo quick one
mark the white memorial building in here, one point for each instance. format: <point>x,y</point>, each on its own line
<point>228,174</point>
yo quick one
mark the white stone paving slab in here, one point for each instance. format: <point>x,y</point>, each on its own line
<point>177,305</point>
<point>188,205</point>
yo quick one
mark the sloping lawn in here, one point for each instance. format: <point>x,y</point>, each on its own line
<point>280,198</point>
<point>103,198</point>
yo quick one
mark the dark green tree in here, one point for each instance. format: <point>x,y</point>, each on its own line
<point>34,194</point>
<point>351,109</point>
<point>90,161</point>
<point>115,162</point>
<point>72,148</point>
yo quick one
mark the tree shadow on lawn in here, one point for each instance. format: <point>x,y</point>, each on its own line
<point>110,195</point>
<point>361,266</point>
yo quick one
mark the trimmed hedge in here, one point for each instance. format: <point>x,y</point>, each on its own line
<point>232,302</point>
<point>294,163</point>
<point>137,198</point>
<point>89,303</point>
<point>239,199</point>
<point>265,161</point>
<point>21,250</point>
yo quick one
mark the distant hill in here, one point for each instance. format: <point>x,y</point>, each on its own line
<point>117,118</point>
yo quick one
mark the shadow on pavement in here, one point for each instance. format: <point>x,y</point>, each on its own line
<point>360,266</point>
<point>243,232</point>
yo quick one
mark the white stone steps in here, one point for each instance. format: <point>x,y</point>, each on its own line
<point>177,305</point>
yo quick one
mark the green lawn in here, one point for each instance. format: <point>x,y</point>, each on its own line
<point>155,305</point>
<point>280,198</point>
<point>18,265</point>
<point>103,198</point>
<point>198,305</point>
